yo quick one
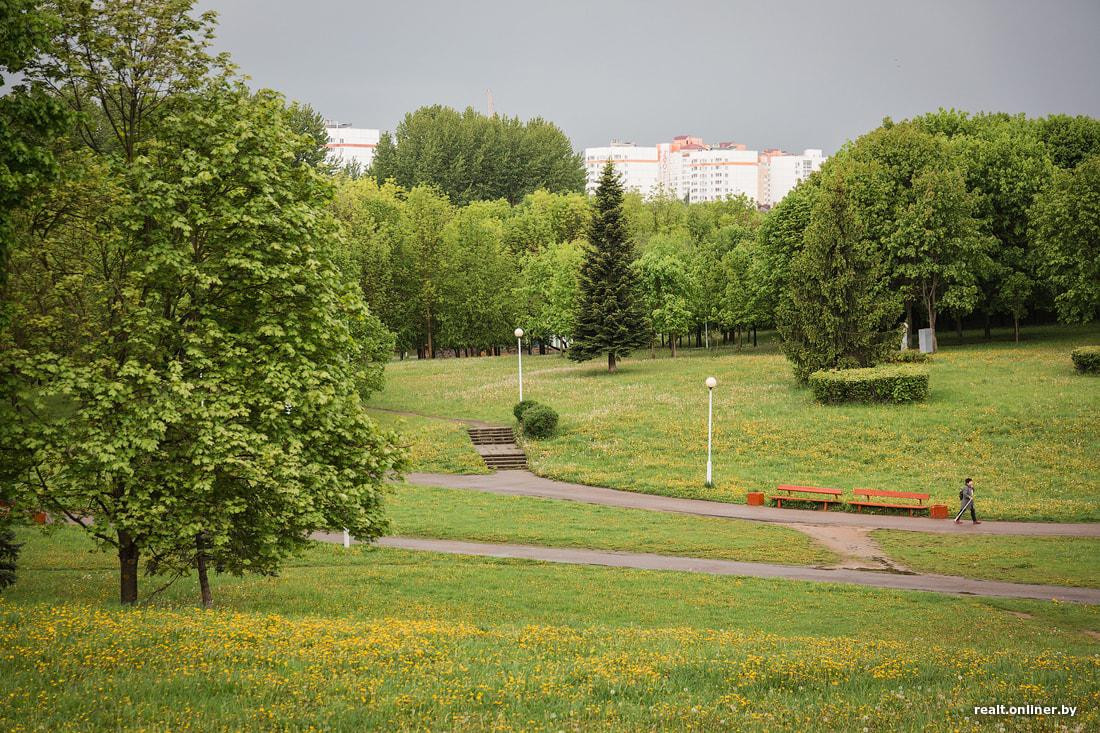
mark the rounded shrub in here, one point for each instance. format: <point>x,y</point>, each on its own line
<point>521,407</point>
<point>1086,359</point>
<point>889,383</point>
<point>539,421</point>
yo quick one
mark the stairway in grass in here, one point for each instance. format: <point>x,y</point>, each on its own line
<point>497,447</point>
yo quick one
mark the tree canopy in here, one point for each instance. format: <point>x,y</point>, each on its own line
<point>470,157</point>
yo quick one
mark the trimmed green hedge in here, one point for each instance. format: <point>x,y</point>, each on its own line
<point>539,421</point>
<point>522,407</point>
<point>1087,359</point>
<point>909,356</point>
<point>889,383</point>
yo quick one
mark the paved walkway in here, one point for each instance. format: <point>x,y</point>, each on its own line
<point>647,561</point>
<point>525,483</point>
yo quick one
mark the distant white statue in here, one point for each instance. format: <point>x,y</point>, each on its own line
<point>905,336</point>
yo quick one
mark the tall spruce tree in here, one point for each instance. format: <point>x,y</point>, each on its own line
<point>610,318</point>
<point>839,310</point>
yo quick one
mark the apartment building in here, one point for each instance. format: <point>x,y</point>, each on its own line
<point>347,144</point>
<point>637,166</point>
<point>781,171</point>
<point>688,168</point>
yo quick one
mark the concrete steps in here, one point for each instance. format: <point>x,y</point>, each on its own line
<point>491,436</point>
<point>497,447</point>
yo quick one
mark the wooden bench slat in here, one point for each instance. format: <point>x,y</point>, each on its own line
<point>892,494</point>
<point>891,506</point>
<point>809,490</point>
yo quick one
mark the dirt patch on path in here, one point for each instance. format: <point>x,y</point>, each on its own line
<point>854,545</point>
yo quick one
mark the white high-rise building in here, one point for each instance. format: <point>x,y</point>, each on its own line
<point>693,171</point>
<point>781,171</point>
<point>637,166</point>
<point>689,169</point>
<point>347,144</point>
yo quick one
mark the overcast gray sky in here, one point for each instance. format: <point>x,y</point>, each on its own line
<point>794,74</point>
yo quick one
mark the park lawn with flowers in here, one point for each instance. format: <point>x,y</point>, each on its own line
<point>1016,416</point>
<point>1053,560</point>
<point>434,446</point>
<point>383,639</point>
<point>421,511</point>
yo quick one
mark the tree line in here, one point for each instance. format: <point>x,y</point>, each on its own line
<point>948,214</point>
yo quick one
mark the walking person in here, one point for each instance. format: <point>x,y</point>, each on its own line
<point>966,501</point>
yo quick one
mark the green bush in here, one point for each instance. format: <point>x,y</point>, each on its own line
<point>909,356</point>
<point>890,383</point>
<point>522,407</point>
<point>539,421</point>
<point>1087,359</point>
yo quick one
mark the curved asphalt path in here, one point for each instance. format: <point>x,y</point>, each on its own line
<point>648,561</point>
<point>525,483</point>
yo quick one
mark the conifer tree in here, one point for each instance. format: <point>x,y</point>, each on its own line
<point>609,318</point>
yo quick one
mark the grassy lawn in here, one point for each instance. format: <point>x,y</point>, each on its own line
<point>435,446</point>
<point>380,639</point>
<point>1014,416</point>
<point>1055,560</point>
<point>420,511</point>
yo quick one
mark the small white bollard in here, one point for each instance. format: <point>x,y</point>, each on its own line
<point>347,539</point>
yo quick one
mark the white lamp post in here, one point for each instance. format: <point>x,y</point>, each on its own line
<point>711,384</point>
<point>519,354</point>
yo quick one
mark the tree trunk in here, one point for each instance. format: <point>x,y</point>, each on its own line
<point>128,569</point>
<point>542,348</point>
<point>930,303</point>
<point>912,327</point>
<point>988,334</point>
<point>1016,326</point>
<point>528,348</point>
<point>204,579</point>
<point>754,337</point>
<point>431,349</point>
<point>672,345</point>
<point>611,361</point>
<point>959,326</point>
<point>698,337</point>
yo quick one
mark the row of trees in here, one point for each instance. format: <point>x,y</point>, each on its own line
<point>470,157</point>
<point>461,278</point>
<point>968,216</point>
<point>185,346</point>
<point>946,213</point>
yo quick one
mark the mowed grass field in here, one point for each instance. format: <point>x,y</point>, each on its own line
<point>421,511</point>
<point>1045,560</point>
<point>1016,417</point>
<point>382,639</point>
<point>435,446</point>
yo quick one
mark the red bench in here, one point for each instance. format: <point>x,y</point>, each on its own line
<point>918,507</point>
<point>807,493</point>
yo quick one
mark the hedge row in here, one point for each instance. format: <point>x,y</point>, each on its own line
<point>890,383</point>
<point>1087,359</point>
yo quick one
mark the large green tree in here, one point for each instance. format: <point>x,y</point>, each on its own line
<point>839,309</point>
<point>191,354</point>
<point>609,317</point>
<point>1067,234</point>
<point>29,118</point>
<point>666,288</point>
<point>471,157</point>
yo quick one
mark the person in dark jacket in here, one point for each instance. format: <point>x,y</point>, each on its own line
<point>966,501</point>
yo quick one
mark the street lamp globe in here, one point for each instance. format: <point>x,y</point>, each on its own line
<point>711,382</point>
<point>519,333</point>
